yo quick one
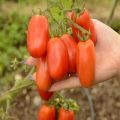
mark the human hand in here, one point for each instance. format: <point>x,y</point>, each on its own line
<point>107,57</point>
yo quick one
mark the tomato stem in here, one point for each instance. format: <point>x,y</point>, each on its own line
<point>85,33</point>
<point>60,101</point>
<point>78,27</point>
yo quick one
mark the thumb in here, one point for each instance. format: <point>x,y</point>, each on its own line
<point>71,82</point>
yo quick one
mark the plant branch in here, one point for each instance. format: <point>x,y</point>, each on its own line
<point>16,90</point>
<point>114,5</point>
<point>89,97</point>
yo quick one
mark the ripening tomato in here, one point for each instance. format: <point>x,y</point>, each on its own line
<point>93,32</point>
<point>45,94</point>
<point>65,114</point>
<point>85,60</point>
<point>43,79</point>
<point>57,57</point>
<point>47,113</point>
<point>71,48</point>
<point>37,36</point>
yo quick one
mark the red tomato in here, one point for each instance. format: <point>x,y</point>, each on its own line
<point>93,33</point>
<point>45,94</point>
<point>47,113</point>
<point>85,60</point>
<point>38,36</point>
<point>71,48</point>
<point>57,58</point>
<point>43,79</point>
<point>65,114</point>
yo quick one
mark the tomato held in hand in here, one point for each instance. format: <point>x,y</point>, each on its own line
<point>47,113</point>
<point>43,79</point>
<point>85,61</point>
<point>57,57</point>
<point>45,94</point>
<point>37,36</point>
<point>65,114</point>
<point>71,48</point>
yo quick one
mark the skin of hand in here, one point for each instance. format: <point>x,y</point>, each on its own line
<point>107,58</point>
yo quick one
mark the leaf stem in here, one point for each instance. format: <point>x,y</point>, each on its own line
<point>13,92</point>
<point>114,5</point>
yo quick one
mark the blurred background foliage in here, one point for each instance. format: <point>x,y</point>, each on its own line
<point>13,27</point>
<point>14,16</point>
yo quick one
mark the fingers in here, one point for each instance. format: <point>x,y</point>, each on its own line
<point>32,76</point>
<point>30,61</point>
<point>71,82</point>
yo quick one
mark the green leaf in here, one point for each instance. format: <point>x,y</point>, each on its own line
<point>56,13</point>
<point>67,3</point>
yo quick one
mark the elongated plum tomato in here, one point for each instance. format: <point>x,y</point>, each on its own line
<point>85,60</point>
<point>57,57</point>
<point>47,113</point>
<point>43,90</point>
<point>71,48</point>
<point>46,95</point>
<point>65,114</point>
<point>43,79</point>
<point>37,36</point>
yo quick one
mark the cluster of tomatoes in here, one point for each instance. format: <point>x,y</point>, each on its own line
<point>58,108</point>
<point>59,56</point>
<point>49,113</point>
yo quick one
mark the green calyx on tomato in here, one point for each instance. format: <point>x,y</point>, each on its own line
<point>60,101</point>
